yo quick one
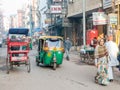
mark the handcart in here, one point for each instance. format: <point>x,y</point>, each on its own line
<point>15,55</point>
<point>87,55</point>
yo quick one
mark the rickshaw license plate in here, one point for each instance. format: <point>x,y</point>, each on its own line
<point>18,58</point>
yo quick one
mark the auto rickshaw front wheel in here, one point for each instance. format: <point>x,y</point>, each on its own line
<point>54,66</point>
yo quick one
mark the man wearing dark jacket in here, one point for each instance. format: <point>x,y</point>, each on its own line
<point>68,45</point>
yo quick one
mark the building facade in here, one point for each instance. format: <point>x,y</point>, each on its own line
<point>35,13</point>
<point>20,18</point>
<point>112,9</point>
<point>75,16</point>
<point>13,21</point>
<point>6,23</point>
<point>43,7</point>
<point>1,21</point>
<point>56,12</point>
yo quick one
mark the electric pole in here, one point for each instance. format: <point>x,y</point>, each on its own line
<point>84,23</point>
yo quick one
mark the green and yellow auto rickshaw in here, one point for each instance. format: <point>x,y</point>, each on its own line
<point>50,51</point>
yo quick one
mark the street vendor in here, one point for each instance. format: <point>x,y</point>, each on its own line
<point>93,42</point>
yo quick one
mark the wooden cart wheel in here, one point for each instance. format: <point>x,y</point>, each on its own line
<point>28,66</point>
<point>54,66</point>
<point>7,65</point>
<point>89,59</point>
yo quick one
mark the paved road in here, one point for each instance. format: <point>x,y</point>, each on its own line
<point>71,75</point>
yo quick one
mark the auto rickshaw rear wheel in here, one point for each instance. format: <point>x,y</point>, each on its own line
<point>37,63</point>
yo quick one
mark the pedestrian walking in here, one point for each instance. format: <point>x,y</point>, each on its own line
<point>112,52</point>
<point>118,57</point>
<point>101,62</point>
<point>67,45</point>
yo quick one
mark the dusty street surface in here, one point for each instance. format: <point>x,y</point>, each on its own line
<point>71,75</point>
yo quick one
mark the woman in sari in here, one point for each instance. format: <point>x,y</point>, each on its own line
<point>101,63</point>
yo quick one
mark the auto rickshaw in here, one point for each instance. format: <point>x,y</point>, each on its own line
<point>50,51</point>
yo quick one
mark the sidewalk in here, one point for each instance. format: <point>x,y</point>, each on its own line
<point>75,57</point>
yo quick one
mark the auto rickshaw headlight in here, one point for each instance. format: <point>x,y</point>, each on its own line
<point>54,49</point>
<point>46,49</point>
<point>49,54</point>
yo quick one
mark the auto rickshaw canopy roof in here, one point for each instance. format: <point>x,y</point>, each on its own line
<point>50,37</point>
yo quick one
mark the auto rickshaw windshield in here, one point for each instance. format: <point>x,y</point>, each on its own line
<point>54,43</point>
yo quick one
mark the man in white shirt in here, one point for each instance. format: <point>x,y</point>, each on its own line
<point>112,51</point>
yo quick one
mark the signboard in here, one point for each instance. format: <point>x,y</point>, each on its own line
<point>56,9</point>
<point>99,18</point>
<point>66,23</point>
<point>57,0</point>
<point>47,21</point>
<point>107,4</point>
<point>112,19</point>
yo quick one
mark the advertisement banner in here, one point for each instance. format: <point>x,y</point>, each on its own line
<point>56,9</point>
<point>107,4</point>
<point>99,18</point>
<point>112,19</point>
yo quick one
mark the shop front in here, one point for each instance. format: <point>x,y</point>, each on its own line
<point>77,29</point>
<point>112,9</point>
